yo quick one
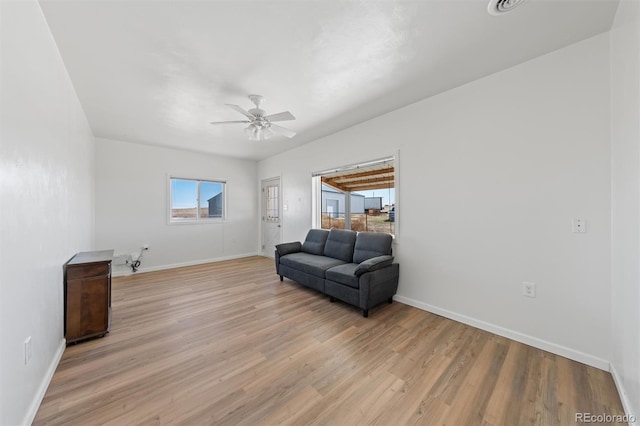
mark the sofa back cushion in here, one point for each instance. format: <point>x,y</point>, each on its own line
<point>370,245</point>
<point>315,241</point>
<point>340,244</point>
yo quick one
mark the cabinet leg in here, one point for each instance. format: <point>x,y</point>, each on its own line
<point>365,313</point>
<point>332,299</point>
<point>390,300</point>
<point>281,278</point>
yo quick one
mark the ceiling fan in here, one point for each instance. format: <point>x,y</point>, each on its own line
<point>261,125</point>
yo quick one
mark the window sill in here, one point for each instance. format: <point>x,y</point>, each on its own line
<point>197,222</point>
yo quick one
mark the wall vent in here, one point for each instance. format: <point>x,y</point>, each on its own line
<point>500,7</point>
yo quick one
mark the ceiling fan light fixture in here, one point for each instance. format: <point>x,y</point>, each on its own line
<point>249,130</point>
<point>253,132</point>
<point>267,133</point>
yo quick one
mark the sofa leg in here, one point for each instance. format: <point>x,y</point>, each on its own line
<point>332,299</point>
<point>281,278</point>
<point>390,300</point>
<point>365,313</point>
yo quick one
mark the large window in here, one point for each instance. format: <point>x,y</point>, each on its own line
<point>360,197</point>
<point>193,200</point>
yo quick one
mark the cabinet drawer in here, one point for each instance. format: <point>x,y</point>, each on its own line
<point>99,269</point>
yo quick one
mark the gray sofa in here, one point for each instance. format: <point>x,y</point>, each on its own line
<point>356,268</point>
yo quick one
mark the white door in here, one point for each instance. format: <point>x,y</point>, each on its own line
<point>333,208</point>
<point>271,224</point>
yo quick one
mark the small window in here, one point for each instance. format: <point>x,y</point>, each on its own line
<point>272,206</point>
<point>194,200</point>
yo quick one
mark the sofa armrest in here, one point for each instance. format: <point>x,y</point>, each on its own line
<point>373,264</point>
<point>287,248</point>
<point>378,286</point>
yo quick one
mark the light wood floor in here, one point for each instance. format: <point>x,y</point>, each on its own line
<point>228,344</point>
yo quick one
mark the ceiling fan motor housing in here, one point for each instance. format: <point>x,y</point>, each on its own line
<point>257,112</point>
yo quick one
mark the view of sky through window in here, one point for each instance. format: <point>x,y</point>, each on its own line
<point>388,195</point>
<point>184,193</point>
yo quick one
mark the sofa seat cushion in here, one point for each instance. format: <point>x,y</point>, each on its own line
<point>344,274</point>
<point>310,263</point>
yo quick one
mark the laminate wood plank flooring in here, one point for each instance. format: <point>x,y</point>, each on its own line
<point>228,344</point>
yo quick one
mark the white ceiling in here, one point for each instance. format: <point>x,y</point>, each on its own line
<point>157,72</point>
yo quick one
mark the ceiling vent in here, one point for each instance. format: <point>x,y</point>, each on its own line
<point>500,7</point>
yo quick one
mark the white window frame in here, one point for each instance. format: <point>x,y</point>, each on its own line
<point>197,220</point>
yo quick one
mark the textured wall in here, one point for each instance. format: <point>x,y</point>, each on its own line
<point>46,212</point>
<point>625,153</point>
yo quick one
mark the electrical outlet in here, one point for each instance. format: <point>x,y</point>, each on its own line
<point>27,350</point>
<point>578,226</point>
<point>529,289</point>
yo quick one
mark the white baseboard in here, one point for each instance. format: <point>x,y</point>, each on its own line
<point>182,264</point>
<point>511,334</point>
<point>44,384</point>
<point>624,398</point>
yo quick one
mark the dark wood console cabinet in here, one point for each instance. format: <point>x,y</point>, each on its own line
<point>87,295</point>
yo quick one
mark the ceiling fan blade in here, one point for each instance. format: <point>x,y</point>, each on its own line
<point>242,111</point>
<point>281,116</point>
<point>228,122</point>
<point>285,132</point>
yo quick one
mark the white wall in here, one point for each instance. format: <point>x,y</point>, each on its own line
<point>132,205</point>
<point>490,176</point>
<point>625,153</point>
<point>46,212</point>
